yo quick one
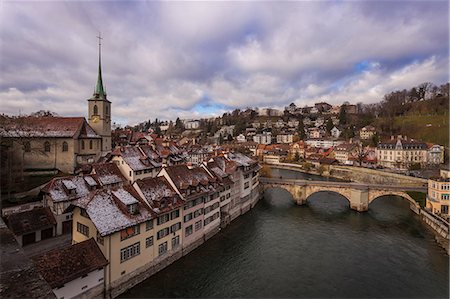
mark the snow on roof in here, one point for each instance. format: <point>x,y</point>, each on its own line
<point>69,184</point>
<point>55,189</point>
<point>107,216</point>
<point>90,181</point>
<point>108,173</point>
<point>241,159</point>
<point>134,158</point>
<point>46,126</point>
<point>158,190</point>
<point>125,197</point>
<point>183,177</point>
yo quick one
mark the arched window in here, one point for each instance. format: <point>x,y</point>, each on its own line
<point>47,146</point>
<point>82,144</point>
<point>90,144</point>
<point>27,146</point>
<point>95,110</point>
<point>65,147</point>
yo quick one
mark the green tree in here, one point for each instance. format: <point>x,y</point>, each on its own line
<point>342,116</point>
<point>301,130</point>
<point>329,125</point>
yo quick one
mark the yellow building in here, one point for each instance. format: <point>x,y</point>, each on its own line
<point>439,194</point>
<point>131,235</point>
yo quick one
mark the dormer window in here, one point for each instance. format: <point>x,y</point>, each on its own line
<point>133,208</point>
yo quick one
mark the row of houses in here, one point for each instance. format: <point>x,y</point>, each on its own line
<point>139,227</point>
<point>400,152</point>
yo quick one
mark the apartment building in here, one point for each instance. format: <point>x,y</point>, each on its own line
<point>401,153</point>
<point>135,235</point>
<point>135,162</point>
<point>438,197</point>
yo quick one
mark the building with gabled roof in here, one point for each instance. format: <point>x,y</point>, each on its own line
<point>73,271</point>
<point>134,163</point>
<point>32,226</point>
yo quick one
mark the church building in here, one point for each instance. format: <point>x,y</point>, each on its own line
<point>47,143</point>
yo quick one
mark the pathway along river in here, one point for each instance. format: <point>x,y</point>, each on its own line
<point>322,249</point>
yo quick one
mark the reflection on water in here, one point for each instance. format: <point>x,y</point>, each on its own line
<point>322,249</point>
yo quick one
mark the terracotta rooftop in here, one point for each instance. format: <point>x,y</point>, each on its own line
<point>183,177</point>
<point>159,194</point>
<point>30,221</point>
<point>108,173</point>
<point>62,265</point>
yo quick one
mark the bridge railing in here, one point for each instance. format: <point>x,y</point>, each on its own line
<point>283,181</point>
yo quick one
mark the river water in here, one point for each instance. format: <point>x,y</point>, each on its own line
<point>322,249</point>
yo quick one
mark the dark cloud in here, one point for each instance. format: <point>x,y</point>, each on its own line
<point>168,59</point>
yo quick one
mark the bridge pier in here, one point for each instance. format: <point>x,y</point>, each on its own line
<point>359,200</point>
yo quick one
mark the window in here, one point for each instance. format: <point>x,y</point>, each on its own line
<point>95,110</point>
<point>162,248</point>
<point>99,239</point>
<point>188,230</point>
<point>27,146</point>
<point>130,251</point>
<point>82,144</point>
<point>47,146</point>
<point>133,208</point>
<point>162,233</point>
<point>246,176</point>
<point>444,209</point>
<point>198,213</point>
<point>65,147</point>
<point>174,214</point>
<point>187,217</point>
<point>198,225</point>
<point>83,229</point>
<point>175,227</point>
<point>149,224</point>
<point>90,144</point>
<point>129,232</point>
<point>175,242</point>
<point>163,218</point>
<point>246,185</point>
<point>149,242</point>
<point>84,213</point>
<point>107,110</point>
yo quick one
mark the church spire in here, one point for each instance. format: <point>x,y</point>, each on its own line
<point>99,90</point>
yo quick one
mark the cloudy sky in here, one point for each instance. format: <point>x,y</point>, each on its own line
<point>168,59</point>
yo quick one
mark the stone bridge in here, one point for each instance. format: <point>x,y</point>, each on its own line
<point>358,195</point>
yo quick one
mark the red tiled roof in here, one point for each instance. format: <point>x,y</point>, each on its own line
<point>30,221</point>
<point>62,265</point>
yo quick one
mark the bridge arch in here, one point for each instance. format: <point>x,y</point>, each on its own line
<point>339,192</point>
<point>374,194</point>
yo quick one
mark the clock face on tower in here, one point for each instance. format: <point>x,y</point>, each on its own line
<point>95,118</point>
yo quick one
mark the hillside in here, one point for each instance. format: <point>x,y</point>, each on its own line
<point>428,128</point>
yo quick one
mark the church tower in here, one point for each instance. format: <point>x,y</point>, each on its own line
<point>99,114</point>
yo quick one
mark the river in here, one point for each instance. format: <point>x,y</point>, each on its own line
<point>322,249</point>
